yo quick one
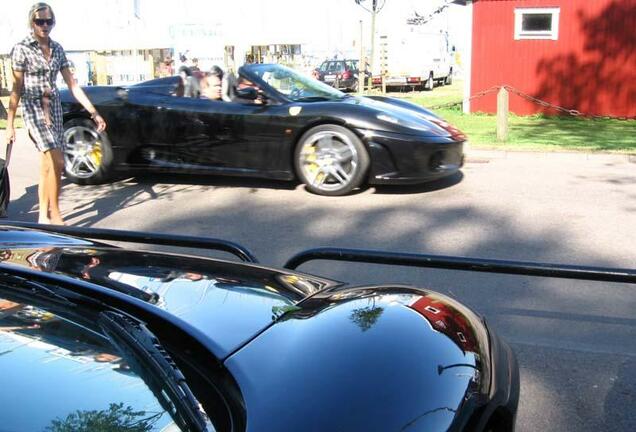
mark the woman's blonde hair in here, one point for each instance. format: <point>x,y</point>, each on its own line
<point>38,7</point>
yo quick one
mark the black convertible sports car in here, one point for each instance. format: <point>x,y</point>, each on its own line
<point>291,127</point>
<point>96,337</point>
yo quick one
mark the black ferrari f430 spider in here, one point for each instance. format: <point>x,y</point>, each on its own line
<point>284,126</point>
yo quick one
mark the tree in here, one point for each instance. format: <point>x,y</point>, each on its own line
<point>421,19</point>
<point>115,419</point>
<point>366,317</point>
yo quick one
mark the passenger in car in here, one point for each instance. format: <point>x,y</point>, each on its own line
<point>190,84</point>
<point>211,84</point>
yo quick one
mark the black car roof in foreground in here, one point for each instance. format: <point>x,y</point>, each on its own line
<point>47,269</point>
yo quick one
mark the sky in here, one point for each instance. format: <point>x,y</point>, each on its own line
<point>87,24</point>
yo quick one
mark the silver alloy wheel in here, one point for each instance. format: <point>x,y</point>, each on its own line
<point>329,160</point>
<point>82,151</point>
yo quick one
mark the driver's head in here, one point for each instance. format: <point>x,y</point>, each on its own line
<point>214,80</point>
<point>245,83</point>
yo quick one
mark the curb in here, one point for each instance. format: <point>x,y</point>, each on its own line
<point>481,156</point>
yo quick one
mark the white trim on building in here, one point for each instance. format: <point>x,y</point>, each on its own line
<point>537,23</point>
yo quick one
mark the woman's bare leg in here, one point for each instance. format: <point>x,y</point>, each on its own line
<point>43,195</point>
<point>55,181</point>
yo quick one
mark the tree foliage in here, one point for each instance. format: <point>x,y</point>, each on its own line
<point>115,419</point>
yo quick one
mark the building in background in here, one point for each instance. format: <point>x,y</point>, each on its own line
<point>577,54</point>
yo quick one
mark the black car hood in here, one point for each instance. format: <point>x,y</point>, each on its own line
<point>397,116</point>
<point>227,301</point>
<point>348,343</point>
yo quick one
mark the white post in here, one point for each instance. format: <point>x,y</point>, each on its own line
<point>502,114</point>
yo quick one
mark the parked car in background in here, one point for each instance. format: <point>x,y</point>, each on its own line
<point>341,74</point>
<point>93,334</point>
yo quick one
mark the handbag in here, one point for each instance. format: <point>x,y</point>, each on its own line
<point>5,187</point>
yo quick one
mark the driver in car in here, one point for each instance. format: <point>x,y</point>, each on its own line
<point>244,83</point>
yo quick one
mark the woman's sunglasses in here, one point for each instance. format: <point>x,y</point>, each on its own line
<point>40,22</point>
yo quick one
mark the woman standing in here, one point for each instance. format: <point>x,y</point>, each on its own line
<point>36,60</point>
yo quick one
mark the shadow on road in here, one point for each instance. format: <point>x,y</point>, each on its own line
<point>216,181</point>
<point>94,203</point>
<point>422,188</point>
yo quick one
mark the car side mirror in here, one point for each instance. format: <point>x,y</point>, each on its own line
<point>247,93</point>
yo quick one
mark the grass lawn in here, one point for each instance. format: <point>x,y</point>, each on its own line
<point>541,133</point>
<point>18,118</point>
<point>538,133</point>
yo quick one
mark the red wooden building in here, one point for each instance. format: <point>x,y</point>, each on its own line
<point>578,54</point>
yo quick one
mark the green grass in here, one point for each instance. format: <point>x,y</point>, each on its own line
<point>18,123</point>
<point>540,133</point>
<point>439,96</point>
<point>535,133</point>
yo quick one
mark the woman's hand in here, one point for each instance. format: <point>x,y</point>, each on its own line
<point>99,121</point>
<point>9,135</point>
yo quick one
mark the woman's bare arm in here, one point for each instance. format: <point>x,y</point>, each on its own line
<point>14,100</point>
<point>81,97</point>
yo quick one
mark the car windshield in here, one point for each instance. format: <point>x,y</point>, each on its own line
<point>294,85</point>
<point>62,373</point>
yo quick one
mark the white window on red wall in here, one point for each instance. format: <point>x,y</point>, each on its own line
<point>537,23</point>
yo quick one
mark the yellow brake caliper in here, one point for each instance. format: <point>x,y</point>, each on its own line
<point>96,154</point>
<point>312,166</point>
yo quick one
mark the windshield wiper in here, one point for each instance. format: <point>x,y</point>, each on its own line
<point>143,351</point>
<point>33,289</point>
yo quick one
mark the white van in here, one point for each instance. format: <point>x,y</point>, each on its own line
<point>414,58</point>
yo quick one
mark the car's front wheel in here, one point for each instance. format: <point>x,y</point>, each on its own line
<point>88,155</point>
<point>331,160</point>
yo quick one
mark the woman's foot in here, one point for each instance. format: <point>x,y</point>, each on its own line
<point>56,221</point>
<point>44,220</point>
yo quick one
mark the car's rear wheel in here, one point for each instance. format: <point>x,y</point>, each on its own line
<point>88,156</point>
<point>449,78</point>
<point>430,83</point>
<point>331,160</point>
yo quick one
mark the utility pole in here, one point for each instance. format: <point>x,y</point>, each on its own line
<point>376,7</point>
<point>373,14</point>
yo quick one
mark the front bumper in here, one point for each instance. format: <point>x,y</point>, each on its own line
<point>410,159</point>
<point>500,414</point>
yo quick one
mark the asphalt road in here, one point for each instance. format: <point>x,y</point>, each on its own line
<point>576,341</point>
